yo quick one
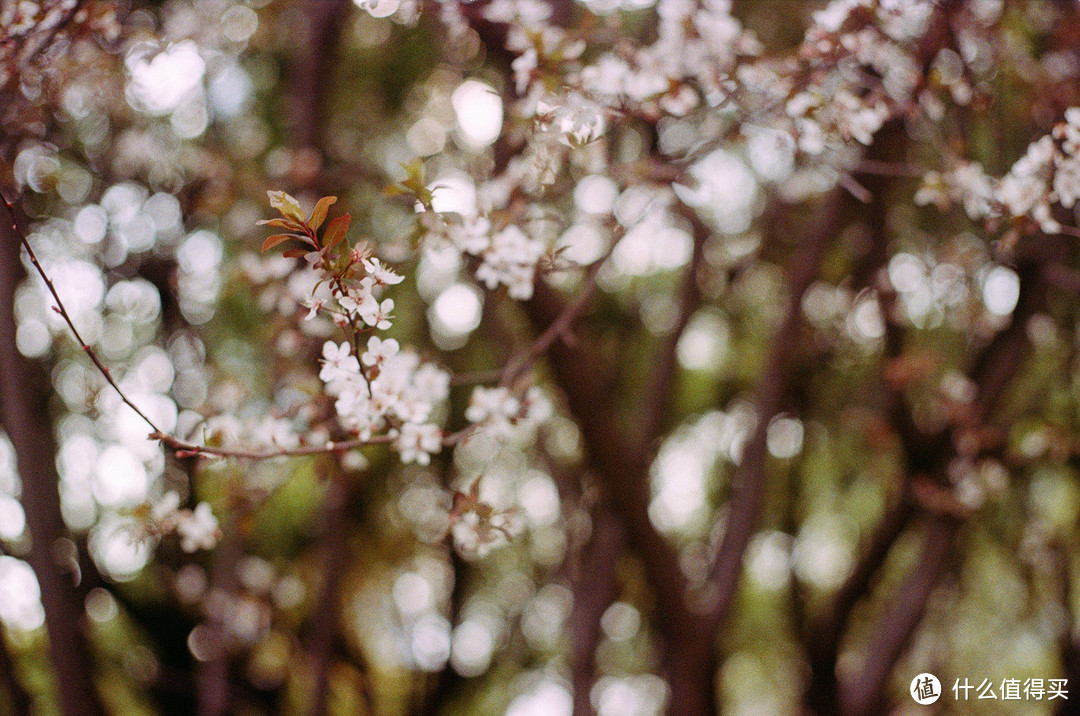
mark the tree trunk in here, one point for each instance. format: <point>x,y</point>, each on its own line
<point>25,417</point>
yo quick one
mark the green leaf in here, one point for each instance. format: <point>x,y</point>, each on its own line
<point>335,231</point>
<point>287,205</point>
<point>318,214</point>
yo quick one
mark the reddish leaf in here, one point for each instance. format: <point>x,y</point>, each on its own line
<point>335,231</point>
<point>318,214</point>
<point>295,253</point>
<point>281,224</point>
<point>272,241</point>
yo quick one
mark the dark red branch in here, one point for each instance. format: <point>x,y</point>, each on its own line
<point>333,542</point>
<point>748,482</point>
<point>661,385</point>
<point>991,371</point>
<point>594,587</point>
<point>578,372</point>
<point>310,80</point>
<point>906,608</point>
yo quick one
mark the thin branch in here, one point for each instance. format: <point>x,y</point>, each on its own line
<point>748,483</point>
<point>559,328</point>
<point>62,310</point>
<point>661,391</point>
<point>854,188</point>
<point>186,449</point>
<point>887,169</point>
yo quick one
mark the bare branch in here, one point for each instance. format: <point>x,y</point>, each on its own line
<point>992,370</point>
<point>661,390</point>
<point>333,541</point>
<point>748,482</point>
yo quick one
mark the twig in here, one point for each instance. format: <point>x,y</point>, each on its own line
<point>186,449</point>
<point>62,310</point>
<point>558,328</point>
<point>854,188</point>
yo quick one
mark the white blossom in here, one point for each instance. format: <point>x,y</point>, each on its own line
<point>494,408</point>
<point>378,350</point>
<point>511,261</point>
<point>377,314</point>
<point>383,275</point>
<point>338,362</point>
<point>197,529</point>
<point>417,443</point>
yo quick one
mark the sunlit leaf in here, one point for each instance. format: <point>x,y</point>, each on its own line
<point>318,214</point>
<point>287,205</point>
<point>281,224</point>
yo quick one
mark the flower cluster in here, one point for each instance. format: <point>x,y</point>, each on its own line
<point>388,391</point>
<point>379,389</point>
<point>499,411</point>
<point>1047,174</point>
<point>508,257</point>
<point>477,527</point>
<point>197,529</point>
<point>695,53</point>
